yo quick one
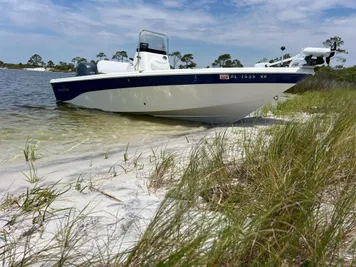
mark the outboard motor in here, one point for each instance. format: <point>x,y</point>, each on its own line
<point>86,68</point>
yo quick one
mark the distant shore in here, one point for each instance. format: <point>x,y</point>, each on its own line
<point>32,68</point>
<point>38,69</point>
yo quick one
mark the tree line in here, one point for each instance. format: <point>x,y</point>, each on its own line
<point>177,60</point>
<point>185,61</point>
<point>36,61</point>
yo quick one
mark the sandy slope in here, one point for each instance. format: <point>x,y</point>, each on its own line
<point>114,192</point>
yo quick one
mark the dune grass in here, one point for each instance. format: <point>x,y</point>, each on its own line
<point>313,102</point>
<point>326,79</point>
<point>163,165</point>
<point>291,202</point>
<point>71,241</point>
<point>30,150</point>
<point>32,177</point>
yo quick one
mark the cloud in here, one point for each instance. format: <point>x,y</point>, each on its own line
<point>255,26</point>
<point>172,3</point>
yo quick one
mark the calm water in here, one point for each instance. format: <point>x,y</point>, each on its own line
<point>28,111</point>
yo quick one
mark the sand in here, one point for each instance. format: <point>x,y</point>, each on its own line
<point>37,69</point>
<point>113,193</point>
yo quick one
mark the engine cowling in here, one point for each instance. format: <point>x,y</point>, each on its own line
<point>86,68</point>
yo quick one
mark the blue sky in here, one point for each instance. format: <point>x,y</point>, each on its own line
<point>247,29</point>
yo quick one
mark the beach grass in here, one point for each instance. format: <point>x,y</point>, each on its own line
<point>32,177</point>
<point>162,174</point>
<point>289,200</point>
<point>107,153</point>
<point>312,102</point>
<point>326,79</point>
<point>30,150</point>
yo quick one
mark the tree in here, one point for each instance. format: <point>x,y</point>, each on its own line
<point>176,57</point>
<point>82,60</point>
<point>225,61</point>
<point>339,42</point>
<point>93,62</point>
<point>221,61</point>
<point>106,59</point>
<point>187,59</point>
<point>100,55</point>
<point>50,64</point>
<point>35,61</point>
<point>75,60</point>
<point>235,64</point>
<point>62,64</point>
<point>1,63</point>
<point>263,60</point>
<point>120,55</point>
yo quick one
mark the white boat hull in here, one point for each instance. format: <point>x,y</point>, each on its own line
<point>206,95</point>
<point>223,103</point>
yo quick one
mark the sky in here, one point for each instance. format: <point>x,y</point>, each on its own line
<point>249,30</point>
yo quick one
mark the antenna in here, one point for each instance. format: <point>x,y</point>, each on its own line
<point>282,48</point>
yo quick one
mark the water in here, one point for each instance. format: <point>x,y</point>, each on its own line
<point>29,113</point>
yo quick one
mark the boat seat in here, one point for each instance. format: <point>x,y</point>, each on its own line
<point>105,66</point>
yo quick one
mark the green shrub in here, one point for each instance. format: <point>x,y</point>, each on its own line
<point>327,78</point>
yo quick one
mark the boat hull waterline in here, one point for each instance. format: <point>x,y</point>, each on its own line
<point>212,97</point>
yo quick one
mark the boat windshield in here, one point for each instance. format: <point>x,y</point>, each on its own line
<point>154,43</point>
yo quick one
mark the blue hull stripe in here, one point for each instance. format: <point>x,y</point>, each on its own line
<point>66,91</point>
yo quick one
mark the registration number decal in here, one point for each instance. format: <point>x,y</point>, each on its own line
<point>224,77</point>
<point>243,76</point>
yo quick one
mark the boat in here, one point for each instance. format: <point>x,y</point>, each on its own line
<point>147,85</point>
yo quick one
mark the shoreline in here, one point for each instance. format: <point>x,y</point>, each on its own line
<point>97,159</point>
<point>17,160</point>
<point>39,69</point>
<point>119,183</point>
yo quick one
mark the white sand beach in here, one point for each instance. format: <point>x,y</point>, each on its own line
<point>113,193</point>
<point>38,69</point>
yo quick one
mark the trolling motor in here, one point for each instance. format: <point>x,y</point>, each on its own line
<point>313,56</point>
<point>309,57</point>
